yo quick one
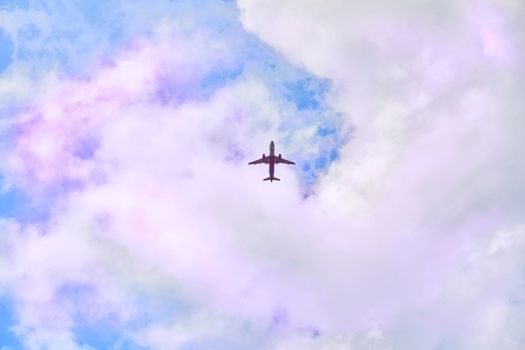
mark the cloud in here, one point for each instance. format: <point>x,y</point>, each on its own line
<point>410,236</point>
<point>426,91</point>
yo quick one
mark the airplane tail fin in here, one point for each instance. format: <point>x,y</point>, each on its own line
<point>272,178</point>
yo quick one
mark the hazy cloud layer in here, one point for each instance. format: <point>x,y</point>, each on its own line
<point>400,226</point>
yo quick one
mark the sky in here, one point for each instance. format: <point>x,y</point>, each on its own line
<point>130,219</point>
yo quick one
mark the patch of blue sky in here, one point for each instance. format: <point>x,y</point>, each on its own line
<point>326,131</point>
<point>307,93</point>
<point>95,11</point>
<point>107,332</point>
<point>13,202</point>
<point>9,201</point>
<point>8,338</point>
<point>29,32</point>
<point>14,4</point>
<point>70,35</point>
<point>100,337</point>
<point>326,138</point>
<point>311,167</point>
<point>6,51</point>
<point>217,78</point>
<point>104,333</point>
<point>16,204</point>
<point>291,85</point>
<point>97,332</point>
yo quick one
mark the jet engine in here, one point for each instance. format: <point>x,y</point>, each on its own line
<point>279,155</point>
<point>263,156</point>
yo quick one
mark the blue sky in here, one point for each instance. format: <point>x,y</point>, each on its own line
<point>6,51</point>
<point>7,320</point>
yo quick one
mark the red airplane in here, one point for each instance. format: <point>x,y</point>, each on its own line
<point>272,159</point>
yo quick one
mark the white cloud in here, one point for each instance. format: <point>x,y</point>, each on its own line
<point>411,241</point>
<point>426,89</point>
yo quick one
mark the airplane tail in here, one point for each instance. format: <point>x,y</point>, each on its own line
<point>272,178</point>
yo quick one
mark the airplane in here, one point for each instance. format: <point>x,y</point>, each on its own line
<point>272,159</point>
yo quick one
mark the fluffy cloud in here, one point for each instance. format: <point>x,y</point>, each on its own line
<point>429,93</point>
<point>411,239</point>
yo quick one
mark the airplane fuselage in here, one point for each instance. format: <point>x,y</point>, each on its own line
<point>271,160</point>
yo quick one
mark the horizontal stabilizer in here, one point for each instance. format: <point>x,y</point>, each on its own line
<point>272,179</point>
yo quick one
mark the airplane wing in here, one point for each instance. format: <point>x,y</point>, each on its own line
<point>260,161</point>
<point>284,161</point>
